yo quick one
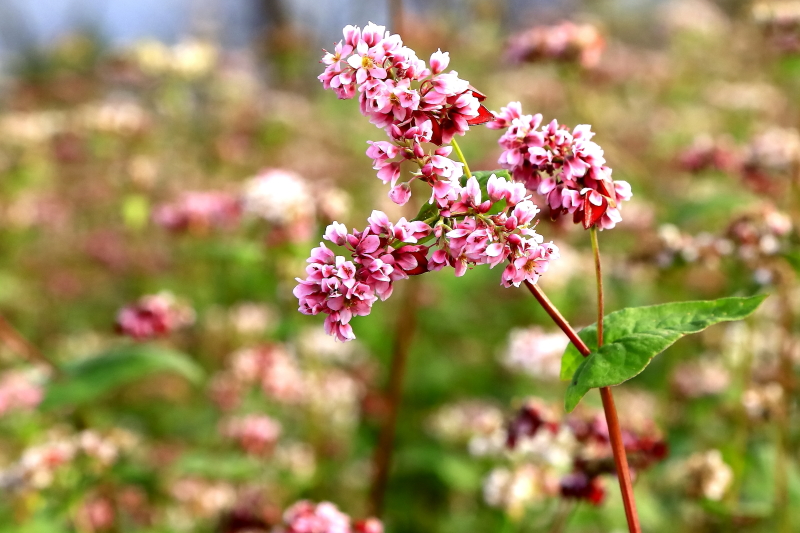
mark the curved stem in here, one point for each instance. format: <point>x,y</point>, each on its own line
<point>615,434</point>
<point>460,155</point>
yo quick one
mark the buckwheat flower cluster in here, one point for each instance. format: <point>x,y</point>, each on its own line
<point>324,517</point>
<point>466,233</point>
<point>343,288</point>
<point>413,102</point>
<point>154,315</point>
<point>566,167</point>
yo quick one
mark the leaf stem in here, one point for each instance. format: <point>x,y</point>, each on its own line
<point>612,419</point>
<point>460,155</point>
<point>614,431</point>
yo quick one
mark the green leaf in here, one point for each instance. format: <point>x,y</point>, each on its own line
<point>483,177</point>
<point>426,212</point>
<point>89,379</point>
<point>633,336</point>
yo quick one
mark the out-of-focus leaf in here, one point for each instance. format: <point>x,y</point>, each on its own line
<point>633,336</point>
<point>793,258</point>
<point>87,380</point>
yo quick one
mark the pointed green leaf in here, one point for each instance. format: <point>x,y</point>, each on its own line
<point>87,380</point>
<point>633,336</point>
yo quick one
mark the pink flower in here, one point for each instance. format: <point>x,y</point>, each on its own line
<point>439,61</point>
<point>18,392</point>
<point>412,103</point>
<point>566,168</point>
<point>370,525</point>
<point>199,212</point>
<point>324,517</point>
<point>256,434</point>
<point>153,316</point>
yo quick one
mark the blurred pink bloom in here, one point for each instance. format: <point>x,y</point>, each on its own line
<point>197,211</point>
<point>567,42</point>
<point>256,434</point>
<point>18,392</point>
<point>155,315</point>
<point>306,517</point>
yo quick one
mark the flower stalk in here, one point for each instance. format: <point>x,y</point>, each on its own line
<point>614,431</point>
<point>617,446</point>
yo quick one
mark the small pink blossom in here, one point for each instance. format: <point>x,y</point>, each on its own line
<point>153,316</point>
<point>306,517</point>
<point>256,434</point>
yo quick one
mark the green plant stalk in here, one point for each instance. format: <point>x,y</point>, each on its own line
<point>463,159</point>
<point>612,419</point>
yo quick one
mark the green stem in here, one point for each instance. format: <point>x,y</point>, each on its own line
<point>600,299</point>
<point>612,419</point>
<point>460,155</point>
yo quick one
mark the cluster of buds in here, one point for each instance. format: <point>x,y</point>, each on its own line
<point>566,42</point>
<point>466,233</point>
<point>566,168</point>
<point>324,517</point>
<point>414,103</point>
<point>154,315</point>
<point>199,212</point>
<point>255,434</point>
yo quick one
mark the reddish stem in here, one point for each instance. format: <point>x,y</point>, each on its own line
<point>614,430</point>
